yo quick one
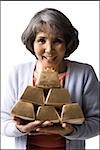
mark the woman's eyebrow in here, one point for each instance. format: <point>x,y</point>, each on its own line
<point>40,36</point>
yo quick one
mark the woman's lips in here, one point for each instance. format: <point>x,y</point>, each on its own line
<point>49,59</point>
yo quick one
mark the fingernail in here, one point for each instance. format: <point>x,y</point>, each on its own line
<point>38,129</point>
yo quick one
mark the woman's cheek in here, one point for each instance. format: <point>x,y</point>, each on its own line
<point>39,54</point>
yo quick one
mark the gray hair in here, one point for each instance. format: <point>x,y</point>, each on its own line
<point>57,22</point>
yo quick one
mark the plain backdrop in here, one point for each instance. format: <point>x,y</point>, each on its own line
<point>16,15</point>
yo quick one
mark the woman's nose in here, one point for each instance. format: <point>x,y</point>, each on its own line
<point>49,47</point>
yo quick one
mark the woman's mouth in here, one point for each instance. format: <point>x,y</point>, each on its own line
<point>49,59</point>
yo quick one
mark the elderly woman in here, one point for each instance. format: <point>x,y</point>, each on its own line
<point>51,37</point>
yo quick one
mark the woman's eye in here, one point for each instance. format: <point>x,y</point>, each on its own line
<point>41,41</point>
<point>58,40</point>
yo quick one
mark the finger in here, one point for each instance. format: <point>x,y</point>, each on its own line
<point>17,120</point>
<point>20,128</point>
<point>55,130</point>
<point>47,123</point>
<point>65,125</point>
<point>34,124</point>
<point>42,131</point>
<point>24,128</point>
<point>28,127</point>
<point>47,130</point>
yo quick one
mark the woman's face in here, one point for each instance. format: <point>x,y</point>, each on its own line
<point>49,49</point>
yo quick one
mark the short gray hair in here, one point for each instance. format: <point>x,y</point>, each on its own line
<point>57,21</point>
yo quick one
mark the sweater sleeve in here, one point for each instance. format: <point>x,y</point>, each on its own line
<point>8,127</point>
<point>90,107</point>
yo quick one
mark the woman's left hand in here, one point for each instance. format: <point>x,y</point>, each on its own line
<point>62,129</point>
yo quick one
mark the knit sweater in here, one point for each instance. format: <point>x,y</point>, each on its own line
<point>83,86</point>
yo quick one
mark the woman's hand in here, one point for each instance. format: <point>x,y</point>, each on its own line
<point>40,127</point>
<point>62,130</point>
<point>26,126</point>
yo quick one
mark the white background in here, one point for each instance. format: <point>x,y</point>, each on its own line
<point>15,16</point>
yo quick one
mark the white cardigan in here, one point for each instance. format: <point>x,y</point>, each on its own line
<point>82,84</point>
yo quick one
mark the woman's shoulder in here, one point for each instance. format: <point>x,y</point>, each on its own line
<point>25,64</point>
<point>23,67</point>
<point>78,68</point>
<point>81,71</point>
<point>79,65</point>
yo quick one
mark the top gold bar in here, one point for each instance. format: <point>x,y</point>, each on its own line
<point>48,79</point>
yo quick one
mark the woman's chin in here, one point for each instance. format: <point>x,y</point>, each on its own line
<point>49,64</point>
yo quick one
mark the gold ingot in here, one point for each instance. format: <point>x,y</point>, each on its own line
<point>23,110</point>
<point>58,97</point>
<point>47,113</point>
<point>48,79</point>
<point>72,113</point>
<point>33,95</point>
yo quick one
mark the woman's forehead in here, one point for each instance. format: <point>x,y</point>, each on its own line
<point>48,35</point>
<point>48,29</point>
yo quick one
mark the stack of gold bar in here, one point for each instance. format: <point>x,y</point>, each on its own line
<point>48,101</point>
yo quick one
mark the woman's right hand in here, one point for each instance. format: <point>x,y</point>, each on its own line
<point>26,126</point>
